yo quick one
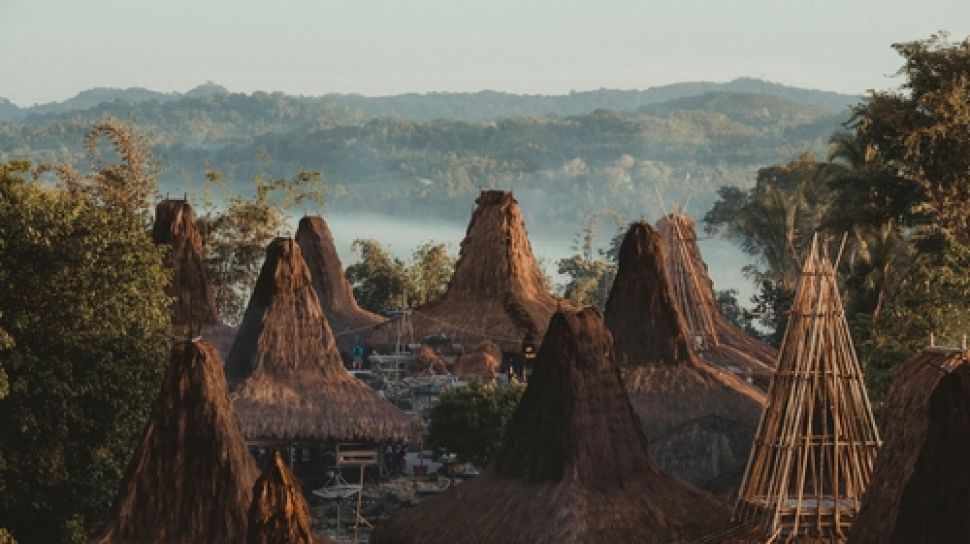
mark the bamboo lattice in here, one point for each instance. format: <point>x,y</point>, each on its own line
<point>817,440</point>
<point>695,300</point>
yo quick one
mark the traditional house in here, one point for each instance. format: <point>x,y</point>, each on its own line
<point>496,293</point>
<point>700,419</point>
<point>712,336</point>
<point>191,477</point>
<point>574,466</point>
<point>349,323</point>
<point>290,387</point>
<point>919,491</point>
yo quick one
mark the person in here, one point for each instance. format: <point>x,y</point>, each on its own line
<point>358,355</point>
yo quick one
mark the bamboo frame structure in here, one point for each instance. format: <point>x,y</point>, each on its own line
<point>696,301</point>
<point>817,441</point>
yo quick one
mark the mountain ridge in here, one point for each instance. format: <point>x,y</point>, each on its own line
<point>490,104</point>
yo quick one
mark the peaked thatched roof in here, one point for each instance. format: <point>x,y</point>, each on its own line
<point>723,344</point>
<point>682,401</point>
<point>191,477</point>
<point>496,292</point>
<point>574,466</point>
<point>287,376</point>
<point>279,513</point>
<point>194,302</point>
<point>348,321</point>
<point>920,487</point>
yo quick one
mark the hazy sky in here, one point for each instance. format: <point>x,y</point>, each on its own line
<point>50,50</point>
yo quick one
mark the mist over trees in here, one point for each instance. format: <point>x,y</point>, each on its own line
<point>428,154</point>
<point>84,324</point>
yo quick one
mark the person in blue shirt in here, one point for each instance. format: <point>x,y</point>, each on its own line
<point>358,355</point>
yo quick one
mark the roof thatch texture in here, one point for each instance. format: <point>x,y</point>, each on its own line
<point>920,487</point>
<point>287,376</point>
<point>574,466</point>
<point>722,344</point>
<point>194,303</point>
<point>221,336</point>
<point>279,513</point>
<point>483,361</point>
<point>426,360</point>
<point>496,292</point>
<point>191,477</point>
<point>700,419</point>
<point>348,321</point>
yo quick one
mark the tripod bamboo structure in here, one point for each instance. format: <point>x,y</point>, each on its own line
<point>817,440</point>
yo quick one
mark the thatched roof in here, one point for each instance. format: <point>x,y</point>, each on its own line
<point>496,292</point>
<point>279,513</point>
<point>194,303</point>
<point>682,401</point>
<point>724,345</point>
<point>287,376</point>
<point>574,466</point>
<point>427,360</point>
<point>348,321</point>
<point>483,361</point>
<point>191,477</point>
<point>920,488</point>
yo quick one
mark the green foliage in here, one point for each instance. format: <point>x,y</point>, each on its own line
<point>931,296</point>
<point>727,301</point>
<point>430,271</point>
<point>382,282</point>
<point>426,154</point>
<point>920,135</point>
<point>470,422</point>
<point>86,321</point>
<point>234,237</point>
<point>899,185</point>
<point>773,222</point>
<point>129,184</point>
<point>379,280</point>
<point>902,182</point>
<point>591,271</point>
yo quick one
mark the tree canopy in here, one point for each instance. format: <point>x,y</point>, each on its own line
<point>897,182</point>
<point>470,422</point>
<point>86,332</point>
<point>382,282</point>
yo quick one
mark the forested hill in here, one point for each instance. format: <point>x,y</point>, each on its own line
<point>426,155</point>
<point>483,105</point>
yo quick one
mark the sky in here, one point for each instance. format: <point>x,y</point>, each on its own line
<point>52,49</point>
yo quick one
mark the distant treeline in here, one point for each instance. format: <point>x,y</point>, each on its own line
<point>428,154</point>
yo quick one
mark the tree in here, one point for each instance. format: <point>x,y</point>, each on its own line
<point>591,271</point>
<point>430,271</point>
<point>383,282</point>
<point>380,281</point>
<point>127,185</point>
<point>234,238</point>
<point>773,222</point>
<point>902,185</point>
<point>921,135</point>
<point>85,316</point>
<point>470,422</point>
<point>727,301</point>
